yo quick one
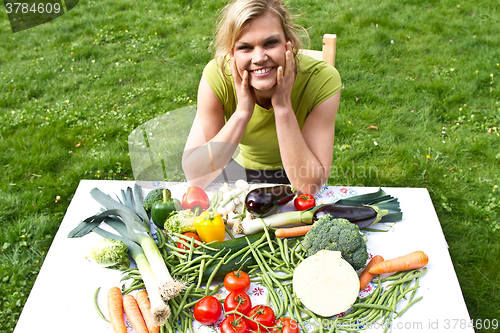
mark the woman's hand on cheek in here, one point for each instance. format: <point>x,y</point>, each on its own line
<point>244,93</point>
<point>285,80</point>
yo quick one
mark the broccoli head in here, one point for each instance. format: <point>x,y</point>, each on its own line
<point>341,235</point>
<point>152,198</point>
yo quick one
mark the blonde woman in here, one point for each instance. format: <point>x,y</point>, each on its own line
<point>264,112</point>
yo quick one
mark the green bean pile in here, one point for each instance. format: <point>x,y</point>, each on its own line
<point>276,260</point>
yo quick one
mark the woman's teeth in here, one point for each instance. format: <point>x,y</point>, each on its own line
<point>262,71</point>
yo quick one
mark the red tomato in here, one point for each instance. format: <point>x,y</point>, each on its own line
<point>238,300</point>
<point>207,310</point>
<point>234,324</point>
<point>286,325</point>
<point>237,281</point>
<point>262,314</point>
<point>304,201</point>
<point>188,234</point>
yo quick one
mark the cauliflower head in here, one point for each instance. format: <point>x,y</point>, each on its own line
<point>337,235</point>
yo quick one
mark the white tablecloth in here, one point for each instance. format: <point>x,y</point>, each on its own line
<point>62,297</point>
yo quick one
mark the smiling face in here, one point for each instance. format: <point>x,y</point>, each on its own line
<point>260,49</point>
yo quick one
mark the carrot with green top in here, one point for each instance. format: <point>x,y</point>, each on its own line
<point>145,307</point>
<point>292,232</point>
<point>134,314</point>
<point>366,276</point>
<point>115,310</point>
<point>414,260</point>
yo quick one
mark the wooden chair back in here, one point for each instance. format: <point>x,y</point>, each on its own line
<point>328,52</point>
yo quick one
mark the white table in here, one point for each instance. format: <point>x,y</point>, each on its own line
<point>62,296</point>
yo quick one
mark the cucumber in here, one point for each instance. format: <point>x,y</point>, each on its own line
<point>234,245</point>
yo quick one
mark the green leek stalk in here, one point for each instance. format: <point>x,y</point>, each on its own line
<point>137,233</point>
<point>253,226</point>
<point>169,287</point>
<point>159,309</point>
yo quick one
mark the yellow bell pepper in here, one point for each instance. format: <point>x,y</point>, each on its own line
<point>210,227</point>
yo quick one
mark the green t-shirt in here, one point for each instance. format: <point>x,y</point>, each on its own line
<point>316,81</point>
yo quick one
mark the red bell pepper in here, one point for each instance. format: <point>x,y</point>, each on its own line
<point>195,199</point>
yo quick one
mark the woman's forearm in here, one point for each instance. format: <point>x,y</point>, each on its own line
<point>203,162</point>
<point>307,173</point>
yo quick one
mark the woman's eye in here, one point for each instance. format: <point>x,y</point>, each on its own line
<point>272,42</point>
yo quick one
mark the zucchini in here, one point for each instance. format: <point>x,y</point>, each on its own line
<point>233,245</point>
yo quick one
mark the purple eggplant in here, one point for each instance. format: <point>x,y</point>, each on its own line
<point>264,201</point>
<point>362,216</point>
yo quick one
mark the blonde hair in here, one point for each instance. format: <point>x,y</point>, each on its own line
<point>235,17</point>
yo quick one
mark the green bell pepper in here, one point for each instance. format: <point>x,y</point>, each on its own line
<point>162,210</point>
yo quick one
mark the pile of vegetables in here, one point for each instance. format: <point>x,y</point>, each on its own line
<point>363,210</point>
<point>303,268</point>
<point>131,223</point>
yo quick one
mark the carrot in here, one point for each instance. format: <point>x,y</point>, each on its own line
<point>292,232</point>
<point>366,276</point>
<point>134,314</point>
<point>145,306</point>
<point>417,259</point>
<point>115,310</point>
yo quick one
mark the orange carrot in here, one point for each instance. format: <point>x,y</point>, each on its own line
<point>145,306</point>
<point>417,259</point>
<point>115,310</point>
<point>134,314</point>
<point>292,232</point>
<point>366,276</point>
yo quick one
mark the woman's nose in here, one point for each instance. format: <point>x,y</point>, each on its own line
<point>259,56</point>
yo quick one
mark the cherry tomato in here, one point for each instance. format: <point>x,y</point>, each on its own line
<point>234,324</point>
<point>304,201</point>
<point>237,281</point>
<point>286,325</point>
<point>188,234</point>
<point>262,314</point>
<point>207,310</point>
<point>239,300</point>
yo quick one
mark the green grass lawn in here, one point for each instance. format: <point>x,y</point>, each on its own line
<point>420,107</point>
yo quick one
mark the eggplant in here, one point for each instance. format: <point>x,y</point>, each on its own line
<point>362,216</point>
<point>264,201</point>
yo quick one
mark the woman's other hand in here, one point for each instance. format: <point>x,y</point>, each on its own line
<point>285,81</point>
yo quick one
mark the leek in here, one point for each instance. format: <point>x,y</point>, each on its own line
<point>136,232</point>
<point>159,309</point>
<point>128,217</point>
<point>255,225</point>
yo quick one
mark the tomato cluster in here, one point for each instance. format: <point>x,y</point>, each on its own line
<point>208,310</point>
